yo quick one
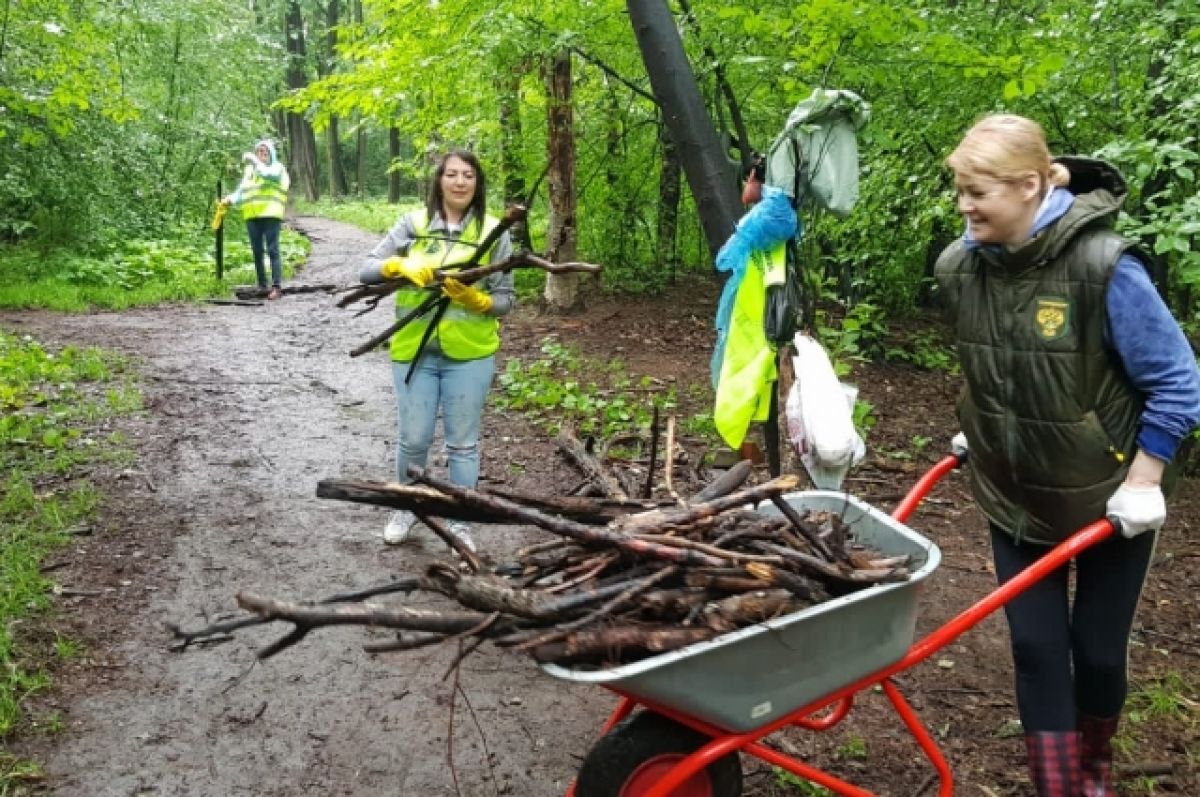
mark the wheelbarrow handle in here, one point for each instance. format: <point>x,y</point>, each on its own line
<point>924,485</point>
<point>1058,556</point>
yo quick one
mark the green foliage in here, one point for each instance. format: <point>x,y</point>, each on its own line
<point>859,336</point>
<point>854,748</point>
<point>135,273</point>
<point>119,124</point>
<point>864,418</point>
<point>552,390</point>
<point>798,784</point>
<point>1170,697</point>
<point>924,350</point>
<point>52,408</point>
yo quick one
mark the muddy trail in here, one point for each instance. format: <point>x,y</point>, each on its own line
<point>249,407</point>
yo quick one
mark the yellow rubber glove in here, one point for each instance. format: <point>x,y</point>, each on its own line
<point>399,267</point>
<point>468,297</point>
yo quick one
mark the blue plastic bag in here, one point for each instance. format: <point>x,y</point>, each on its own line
<point>766,224</point>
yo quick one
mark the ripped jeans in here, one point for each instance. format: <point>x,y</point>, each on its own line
<point>459,388</point>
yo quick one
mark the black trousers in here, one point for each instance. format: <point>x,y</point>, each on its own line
<point>1072,655</point>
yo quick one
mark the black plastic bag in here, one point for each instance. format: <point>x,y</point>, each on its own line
<point>784,313</point>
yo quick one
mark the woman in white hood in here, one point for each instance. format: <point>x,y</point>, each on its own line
<point>262,196</point>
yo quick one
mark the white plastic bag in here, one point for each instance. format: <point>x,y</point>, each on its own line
<point>820,417</point>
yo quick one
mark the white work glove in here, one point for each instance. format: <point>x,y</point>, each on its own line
<point>1136,509</point>
<point>958,445</point>
<point>249,157</point>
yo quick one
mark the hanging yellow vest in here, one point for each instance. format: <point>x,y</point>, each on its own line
<point>462,334</point>
<point>748,370</point>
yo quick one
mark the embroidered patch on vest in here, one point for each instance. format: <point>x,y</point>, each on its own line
<point>1053,317</point>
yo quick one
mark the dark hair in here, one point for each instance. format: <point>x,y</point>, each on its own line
<point>478,206</point>
<point>758,167</point>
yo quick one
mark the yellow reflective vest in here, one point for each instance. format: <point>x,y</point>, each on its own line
<point>264,197</point>
<point>748,371</point>
<point>462,334</point>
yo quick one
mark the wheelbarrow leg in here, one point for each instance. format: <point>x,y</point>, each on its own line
<point>917,729</point>
<point>802,770</point>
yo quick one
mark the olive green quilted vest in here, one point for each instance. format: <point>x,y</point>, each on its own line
<point>1049,413</point>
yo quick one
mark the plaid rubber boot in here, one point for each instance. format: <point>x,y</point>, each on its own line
<point>1096,755</point>
<point>1054,762</point>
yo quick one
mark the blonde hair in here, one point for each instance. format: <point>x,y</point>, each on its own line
<point>1006,147</point>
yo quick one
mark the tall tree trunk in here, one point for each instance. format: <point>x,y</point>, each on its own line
<point>711,176</point>
<point>562,290</point>
<point>393,155</point>
<point>333,157</point>
<point>668,204</point>
<point>333,142</point>
<point>508,86</point>
<point>360,154</point>
<point>622,200</point>
<point>302,144</point>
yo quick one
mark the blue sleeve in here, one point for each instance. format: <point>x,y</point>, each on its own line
<point>1156,356</point>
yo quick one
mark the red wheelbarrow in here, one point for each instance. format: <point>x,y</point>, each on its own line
<point>708,702</point>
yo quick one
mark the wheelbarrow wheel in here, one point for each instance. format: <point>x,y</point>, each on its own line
<point>641,750</point>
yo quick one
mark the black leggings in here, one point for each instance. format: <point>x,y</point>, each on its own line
<point>1049,634</point>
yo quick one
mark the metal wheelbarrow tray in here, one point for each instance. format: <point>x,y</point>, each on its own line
<point>746,678</point>
<point>705,704</point>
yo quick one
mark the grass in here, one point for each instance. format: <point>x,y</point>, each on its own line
<point>375,216</point>
<point>52,405</point>
<point>137,273</point>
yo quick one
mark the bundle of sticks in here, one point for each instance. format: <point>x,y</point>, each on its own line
<point>618,580</point>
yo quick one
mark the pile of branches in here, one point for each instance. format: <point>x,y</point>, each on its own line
<point>619,580</point>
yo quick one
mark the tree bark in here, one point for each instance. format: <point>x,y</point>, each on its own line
<point>302,144</point>
<point>333,145</point>
<point>360,154</point>
<point>508,87</point>
<point>393,176</point>
<point>562,293</point>
<point>669,191</point>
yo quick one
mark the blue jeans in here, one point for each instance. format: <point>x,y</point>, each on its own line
<point>459,388</point>
<point>264,237</point>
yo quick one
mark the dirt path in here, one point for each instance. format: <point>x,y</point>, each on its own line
<point>248,409</point>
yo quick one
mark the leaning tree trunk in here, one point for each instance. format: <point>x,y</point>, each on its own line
<point>562,292</point>
<point>709,171</point>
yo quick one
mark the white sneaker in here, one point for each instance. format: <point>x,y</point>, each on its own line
<point>462,532</point>
<point>399,526</point>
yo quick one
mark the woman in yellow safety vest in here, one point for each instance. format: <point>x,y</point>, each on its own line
<point>454,369</point>
<point>262,195</point>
